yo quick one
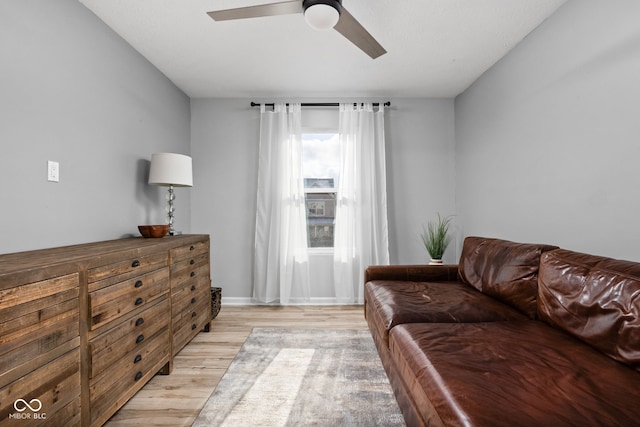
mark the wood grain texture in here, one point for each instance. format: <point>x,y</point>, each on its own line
<point>91,306</point>
<point>176,399</point>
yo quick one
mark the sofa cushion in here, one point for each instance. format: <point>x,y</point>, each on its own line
<point>596,299</point>
<point>391,303</point>
<point>521,373</point>
<point>505,270</point>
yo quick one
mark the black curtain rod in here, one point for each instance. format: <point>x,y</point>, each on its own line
<point>321,104</point>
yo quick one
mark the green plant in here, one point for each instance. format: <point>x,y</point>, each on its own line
<point>436,237</point>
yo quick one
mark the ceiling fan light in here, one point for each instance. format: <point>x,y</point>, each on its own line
<point>321,16</point>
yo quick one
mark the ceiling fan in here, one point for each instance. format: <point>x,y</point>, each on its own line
<point>319,14</point>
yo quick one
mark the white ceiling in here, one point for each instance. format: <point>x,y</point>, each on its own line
<point>436,48</point>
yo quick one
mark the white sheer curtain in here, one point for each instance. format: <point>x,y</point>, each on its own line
<point>361,230</point>
<point>281,266</point>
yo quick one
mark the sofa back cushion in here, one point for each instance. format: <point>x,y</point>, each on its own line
<point>595,299</point>
<point>507,271</point>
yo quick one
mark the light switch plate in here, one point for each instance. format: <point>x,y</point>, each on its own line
<point>53,171</point>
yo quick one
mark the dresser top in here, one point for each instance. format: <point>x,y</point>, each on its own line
<point>67,259</point>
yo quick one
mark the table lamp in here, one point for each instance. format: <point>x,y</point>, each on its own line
<point>171,170</point>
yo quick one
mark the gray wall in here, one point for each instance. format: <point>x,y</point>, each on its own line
<point>420,175</point>
<point>547,141</point>
<point>225,132</point>
<point>73,91</point>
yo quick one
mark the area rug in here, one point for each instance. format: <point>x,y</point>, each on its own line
<point>303,377</point>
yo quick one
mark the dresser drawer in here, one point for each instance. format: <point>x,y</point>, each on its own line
<point>197,272</point>
<point>25,353</point>
<point>128,336</point>
<point>190,295</point>
<point>116,385</point>
<point>31,297</point>
<point>189,264</point>
<point>194,315</point>
<point>189,251</point>
<point>119,299</point>
<point>69,416</point>
<point>37,330</point>
<point>132,364</point>
<point>55,386</point>
<point>116,272</point>
<point>189,322</point>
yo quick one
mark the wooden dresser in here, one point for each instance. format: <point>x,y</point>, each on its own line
<point>84,327</point>
<point>190,292</point>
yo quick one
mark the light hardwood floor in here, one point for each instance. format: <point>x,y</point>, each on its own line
<point>176,399</point>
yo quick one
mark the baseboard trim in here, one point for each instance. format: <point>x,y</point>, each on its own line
<point>237,301</point>
<point>312,301</point>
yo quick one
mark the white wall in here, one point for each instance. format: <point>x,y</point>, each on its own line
<point>548,139</point>
<point>225,132</point>
<point>73,91</point>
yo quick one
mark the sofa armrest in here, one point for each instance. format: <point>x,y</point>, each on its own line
<point>412,273</point>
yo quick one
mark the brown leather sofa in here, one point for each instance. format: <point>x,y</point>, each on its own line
<point>514,335</point>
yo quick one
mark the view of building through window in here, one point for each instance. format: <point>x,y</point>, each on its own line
<point>320,169</point>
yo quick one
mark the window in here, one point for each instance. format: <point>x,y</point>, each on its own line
<point>315,208</point>
<point>320,169</point>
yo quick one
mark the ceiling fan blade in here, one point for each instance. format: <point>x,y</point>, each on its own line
<point>349,27</point>
<point>270,9</point>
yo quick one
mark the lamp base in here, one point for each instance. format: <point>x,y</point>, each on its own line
<point>175,233</point>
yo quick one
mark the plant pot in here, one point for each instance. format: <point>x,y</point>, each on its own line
<point>435,262</point>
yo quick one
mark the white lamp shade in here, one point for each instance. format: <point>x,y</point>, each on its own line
<point>321,16</point>
<point>171,169</point>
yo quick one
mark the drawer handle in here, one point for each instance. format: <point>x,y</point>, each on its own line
<point>192,248</point>
<point>139,301</point>
<point>139,339</point>
<point>138,284</point>
<point>137,359</point>
<point>193,287</point>
<point>193,300</point>
<point>193,274</point>
<point>194,314</point>
<point>138,376</point>
<point>193,326</point>
<point>140,321</point>
<point>135,263</point>
<point>193,261</point>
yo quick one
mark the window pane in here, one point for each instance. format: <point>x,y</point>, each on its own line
<point>321,215</point>
<point>320,158</point>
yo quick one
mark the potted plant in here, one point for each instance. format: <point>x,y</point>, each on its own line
<point>436,238</point>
